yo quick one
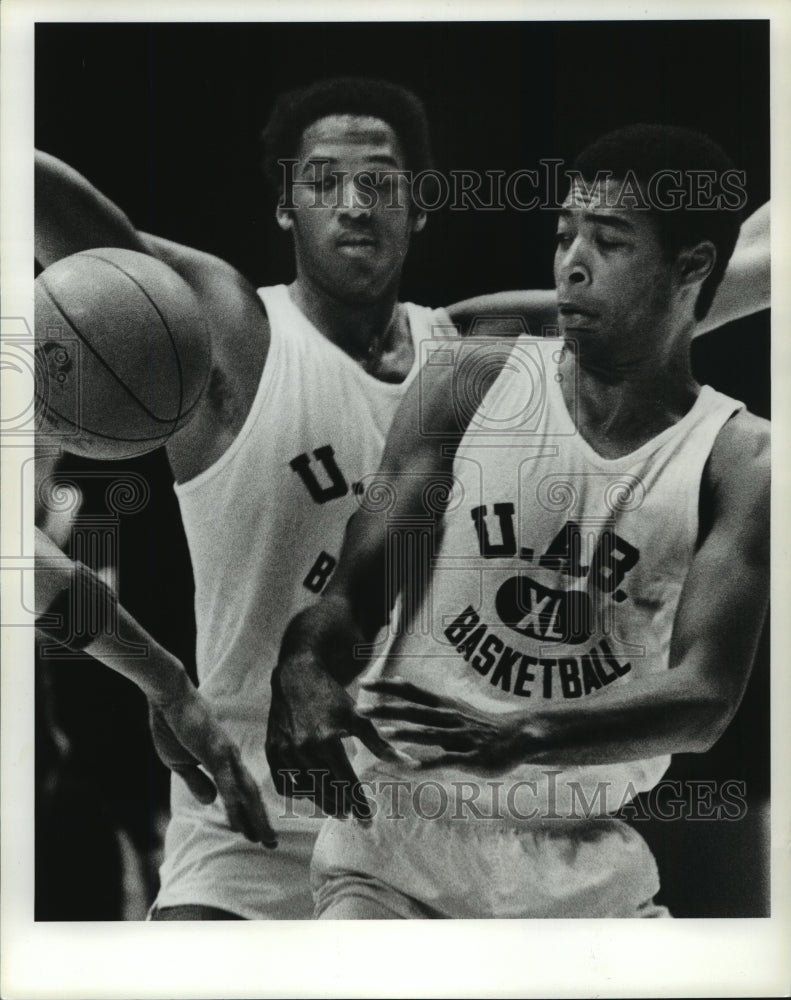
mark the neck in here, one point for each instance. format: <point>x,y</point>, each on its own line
<point>629,399</point>
<point>362,330</point>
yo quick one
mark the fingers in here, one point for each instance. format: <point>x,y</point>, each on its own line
<point>198,783</point>
<point>243,804</point>
<point>282,776</point>
<point>328,779</point>
<point>455,740</point>
<point>466,761</point>
<point>438,717</point>
<point>295,771</point>
<point>288,782</point>
<point>396,688</point>
<point>346,793</point>
<point>366,732</point>
<point>290,770</point>
<point>471,761</point>
<point>189,722</point>
<point>320,770</point>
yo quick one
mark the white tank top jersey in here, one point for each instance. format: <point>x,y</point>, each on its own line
<point>265,525</point>
<point>558,575</point>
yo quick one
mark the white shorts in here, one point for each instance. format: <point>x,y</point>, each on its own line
<point>207,864</point>
<point>412,867</point>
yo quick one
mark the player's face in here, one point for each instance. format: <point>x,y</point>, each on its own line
<point>614,282</point>
<point>351,218</point>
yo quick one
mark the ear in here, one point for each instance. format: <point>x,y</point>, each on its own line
<point>284,217</point>
<point>695,264</point>
<point>419,222</point>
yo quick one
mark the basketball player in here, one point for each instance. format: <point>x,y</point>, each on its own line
<point>304,384</point>
<point>597,546</point>
<point>305,381</point>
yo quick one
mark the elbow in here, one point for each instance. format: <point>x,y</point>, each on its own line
<point>710,723</point>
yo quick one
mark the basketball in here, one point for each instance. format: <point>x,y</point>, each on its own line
<point>122,352</point>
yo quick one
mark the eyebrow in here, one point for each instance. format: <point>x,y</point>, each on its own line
<point>615,221</point>
<point>373,158</point>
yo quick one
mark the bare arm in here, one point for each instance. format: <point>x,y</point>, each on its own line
<point>715,634</point>
<point>745,289</point>
<point>184,729</point>
<point>746,284</point>
<point>533,311</point>
<point>683,709</point>
<point>72,215</point>
<point>360,596</point>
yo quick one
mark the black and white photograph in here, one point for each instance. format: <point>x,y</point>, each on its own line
<point>391,495</point>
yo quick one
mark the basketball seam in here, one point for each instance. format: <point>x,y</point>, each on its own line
<point>181,412</point>
<point>100,359</point>
<point>108,437</point>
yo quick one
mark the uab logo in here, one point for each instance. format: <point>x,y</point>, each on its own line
<point>332,484</point>
<point>600,562</point>
<point>538,612</point>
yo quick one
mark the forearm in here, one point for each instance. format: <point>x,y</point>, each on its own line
<point>511,313</point>
<point>360,597</point>
<point>662,714</point>
<point>746,284</point>
<point>63,585</point>
<point>159,675</point>
<point>715,633</point>
<point>329,634</point>
<point>745,289</point>
<point>71,215</point>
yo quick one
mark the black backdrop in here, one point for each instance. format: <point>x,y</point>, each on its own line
<point>165,120</point>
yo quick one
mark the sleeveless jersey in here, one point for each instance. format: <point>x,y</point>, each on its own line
<point>557,577</point>
<point>264,526</point>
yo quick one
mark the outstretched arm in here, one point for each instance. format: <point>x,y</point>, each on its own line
<point>745,289</point>
<point>682,710</point>
<point>185,732</point>
<point>746,284</point>
<point>507,314</point>
<point>72,216</point>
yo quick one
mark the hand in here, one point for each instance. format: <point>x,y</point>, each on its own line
<point>310,713</point>
<point>185,735</point>
<point>467,738</point>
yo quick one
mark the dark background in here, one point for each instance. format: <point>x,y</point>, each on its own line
<point>165,119</point>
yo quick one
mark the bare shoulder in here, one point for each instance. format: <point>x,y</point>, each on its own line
<point>239,332</point>
<point>742,452</point>
<point>223,291</point>
<point>738,476</point>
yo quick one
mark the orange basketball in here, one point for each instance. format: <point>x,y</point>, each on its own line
<point>122,352</point>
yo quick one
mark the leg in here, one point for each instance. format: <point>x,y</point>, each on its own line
<point>652,909</point>
<point>354,896</point>
<point>597,869</point>
<point>358,907</point>
<point>192,911</point>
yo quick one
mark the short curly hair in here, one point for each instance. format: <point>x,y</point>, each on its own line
<point>646,149</point>
<point>393,103</point>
